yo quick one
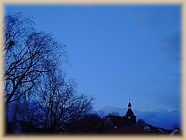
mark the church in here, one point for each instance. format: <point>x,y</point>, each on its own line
<point>127,121</point>
<point>127,125</point>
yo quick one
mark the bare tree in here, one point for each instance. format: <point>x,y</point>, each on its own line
<point>28,54</point>
<point>58,104</point>
<point>34,81</point>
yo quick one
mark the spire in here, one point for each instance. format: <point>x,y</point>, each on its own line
<point>129,105</point>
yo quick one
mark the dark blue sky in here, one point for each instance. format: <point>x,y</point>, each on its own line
<point>117,52</point>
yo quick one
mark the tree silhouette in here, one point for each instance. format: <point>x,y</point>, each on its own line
<point>28,54</point>
<point>141,123</point>
<point>58,104</point>
<point>35,89</point>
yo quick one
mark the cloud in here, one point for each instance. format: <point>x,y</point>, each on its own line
<point>161,118</point>
<point>154,18</point>
<point>152,15</point>
<point>171,44</point>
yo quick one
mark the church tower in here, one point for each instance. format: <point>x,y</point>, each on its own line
<point>130,118</point>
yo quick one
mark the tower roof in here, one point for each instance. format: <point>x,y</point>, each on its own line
<point>129,105</point>
<point>129,111</point>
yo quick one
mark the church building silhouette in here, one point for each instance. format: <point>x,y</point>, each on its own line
<point>129,120</point>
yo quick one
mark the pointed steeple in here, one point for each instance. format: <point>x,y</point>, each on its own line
<point>129,104</point>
